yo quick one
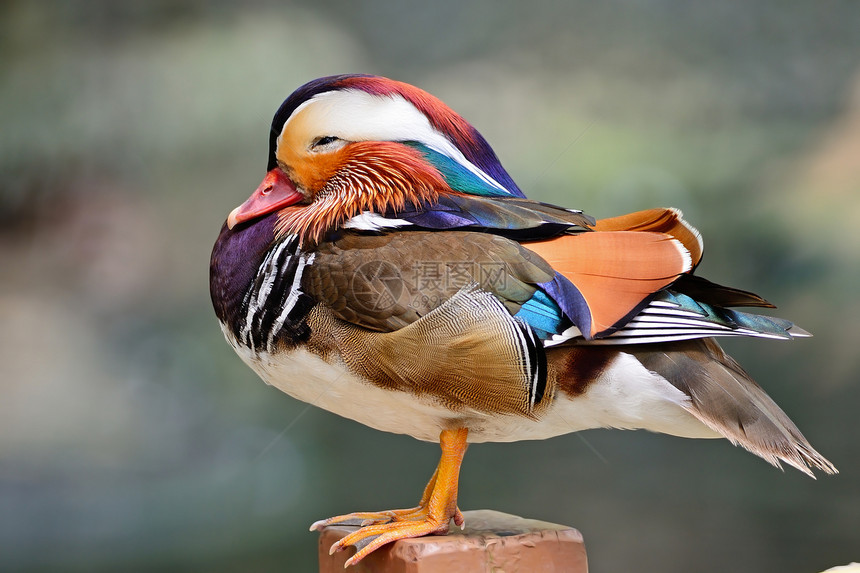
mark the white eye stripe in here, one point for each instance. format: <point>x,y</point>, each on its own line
<point>355,115</point>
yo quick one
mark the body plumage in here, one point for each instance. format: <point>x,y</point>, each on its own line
<point>388,269</point>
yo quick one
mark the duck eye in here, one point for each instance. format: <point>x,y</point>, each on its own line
<point>323,141</point>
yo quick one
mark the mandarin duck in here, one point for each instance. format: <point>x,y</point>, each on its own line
<point>389,270</point>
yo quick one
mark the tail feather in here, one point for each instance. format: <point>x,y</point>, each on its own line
<point>711,293</point>
<point>727,400</point>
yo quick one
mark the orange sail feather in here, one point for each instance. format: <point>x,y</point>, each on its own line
<point>615,271</point>
<point>660,220</point>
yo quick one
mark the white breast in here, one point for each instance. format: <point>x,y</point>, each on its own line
<point>307,377</point>
<point>627,396</point>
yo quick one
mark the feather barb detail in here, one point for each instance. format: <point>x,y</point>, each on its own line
<point>378,177</point>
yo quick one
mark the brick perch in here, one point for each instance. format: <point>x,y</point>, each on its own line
<point>492,542</point>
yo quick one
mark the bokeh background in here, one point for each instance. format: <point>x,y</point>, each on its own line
<point>132,438</point>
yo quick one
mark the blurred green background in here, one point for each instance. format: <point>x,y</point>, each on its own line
<point>132,438</point>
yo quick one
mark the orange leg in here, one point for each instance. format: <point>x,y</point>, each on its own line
<point>437,507</point>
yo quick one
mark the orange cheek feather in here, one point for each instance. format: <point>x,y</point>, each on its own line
<point>362,176</point>
<point>314,171</point>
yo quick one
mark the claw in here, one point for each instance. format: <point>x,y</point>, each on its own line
<point>388,532</point>
<point>360,518</point>
<point>459,520</point>
<point>438,506</point>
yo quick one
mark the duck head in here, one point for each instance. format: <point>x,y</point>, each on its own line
<point>340,146</point>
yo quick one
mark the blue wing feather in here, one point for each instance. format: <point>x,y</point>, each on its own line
<point>557,306</point>
<point>543,315</point>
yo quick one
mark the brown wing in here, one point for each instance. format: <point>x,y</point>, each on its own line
<point>387,282</point>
